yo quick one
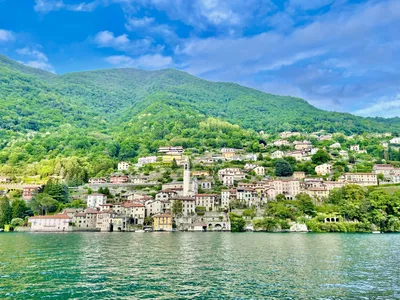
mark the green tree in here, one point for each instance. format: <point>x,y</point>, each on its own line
<point>177,207</point>
<point>320,157</point>
<point>351,200</point>
<point>5,212</point>
<point>19,209</point>
<point>237,223</point>
<point>306,204</point>
<point>379,201</point>
<point>283,169</point>
<point>174,164</point>
<point>280,198</point>
<point>260,157</point>
<point>43,203</point>
<point>381,177</point>
<point>56,190</point>
<point>15,222</point>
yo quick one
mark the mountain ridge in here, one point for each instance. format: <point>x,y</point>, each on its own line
<point>113,114</point>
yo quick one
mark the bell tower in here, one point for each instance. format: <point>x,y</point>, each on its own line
<point>186,178</point>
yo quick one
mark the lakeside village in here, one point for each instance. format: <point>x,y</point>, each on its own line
<point>317,182</point>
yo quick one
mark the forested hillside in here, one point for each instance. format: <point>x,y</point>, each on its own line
<point>89,120</point>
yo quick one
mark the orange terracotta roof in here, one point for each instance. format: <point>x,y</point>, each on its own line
<point>58,216</point>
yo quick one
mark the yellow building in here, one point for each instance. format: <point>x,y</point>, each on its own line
<point>169,157</point>
<point>228,155</point>
<point>162,222</point>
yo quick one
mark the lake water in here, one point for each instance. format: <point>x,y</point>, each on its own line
<point>199,266</point>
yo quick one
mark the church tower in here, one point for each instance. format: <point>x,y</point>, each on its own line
<point>186,178</point>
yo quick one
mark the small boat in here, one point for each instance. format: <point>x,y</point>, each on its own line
<point>140,230</point>
<point>376,231</point>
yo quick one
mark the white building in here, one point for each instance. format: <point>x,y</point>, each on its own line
<point>277,154</point>
<point>364,179</point>
<point>260,171</point>
<point>395,140</point>
<point>178,149</point>
<point>59,222</point>
<point>95,200</point>
<point>324,169</point>
<point>335,146</point>
<point>355,148</point>
<point>236,173</point>
<point>154,207</point>
<point>123,166</point>
<point>146,160</point>
<point>188,205</point>
<point>279,143</point>
<point>288,187</point>
<point>226,197</point>
<point>206,200</point>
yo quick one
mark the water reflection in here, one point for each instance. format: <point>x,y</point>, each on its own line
<point>198,265</point>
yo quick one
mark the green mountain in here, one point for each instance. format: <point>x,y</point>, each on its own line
<point>99,117</point>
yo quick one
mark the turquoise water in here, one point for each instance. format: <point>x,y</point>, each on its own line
<point>199,266</point>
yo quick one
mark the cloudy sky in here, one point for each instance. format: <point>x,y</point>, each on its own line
<point>341,55</point>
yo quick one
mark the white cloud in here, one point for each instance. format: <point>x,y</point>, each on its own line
<point>123,43</point>
<point>45,6</point>
<point>32,53</point>
<point>150,27</point>
<point>37,59</point>
<point>326,63</point>
<point>121,61</point>
<point>383,108</point>
<point>6,36</point>
<point>134,23</point>
<point>107,39</point>
<point>40,65</point>
<point>148,62</point>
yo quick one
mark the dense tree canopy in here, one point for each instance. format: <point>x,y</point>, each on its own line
<point>80,125</point>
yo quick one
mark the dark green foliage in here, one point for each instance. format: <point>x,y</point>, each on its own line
<point>237,223</point>
<point>280,198</point>
<point>79,125</point>
<point>17,222</point>
<point>177,207</point>
<point>5,212</point>
<point>306,204</point>
<point>174,164</point>
<point>19,209</point>
<point>57,191</point>
<point>320,157</point>
<point>43,204</point>
<point>283,168</point>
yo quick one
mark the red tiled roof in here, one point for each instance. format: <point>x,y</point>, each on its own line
<point>184,198</point>
<point>81,214</point>
<point>163,216</point>
<point>130,204</point>
<point>58,216</point>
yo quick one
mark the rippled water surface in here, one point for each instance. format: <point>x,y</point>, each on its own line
<point>199,266</point>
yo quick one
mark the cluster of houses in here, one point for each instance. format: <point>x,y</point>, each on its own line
<point>192,205</point>
<point>389,172</point>
<point>198,211</point>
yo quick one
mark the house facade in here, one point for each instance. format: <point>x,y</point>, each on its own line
<point>95,200</point>
<point>55,223</point>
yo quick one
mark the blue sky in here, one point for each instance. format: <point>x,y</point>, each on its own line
<point>339,55</point>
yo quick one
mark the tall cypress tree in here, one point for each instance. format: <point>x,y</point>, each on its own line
<point>5,212</point>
